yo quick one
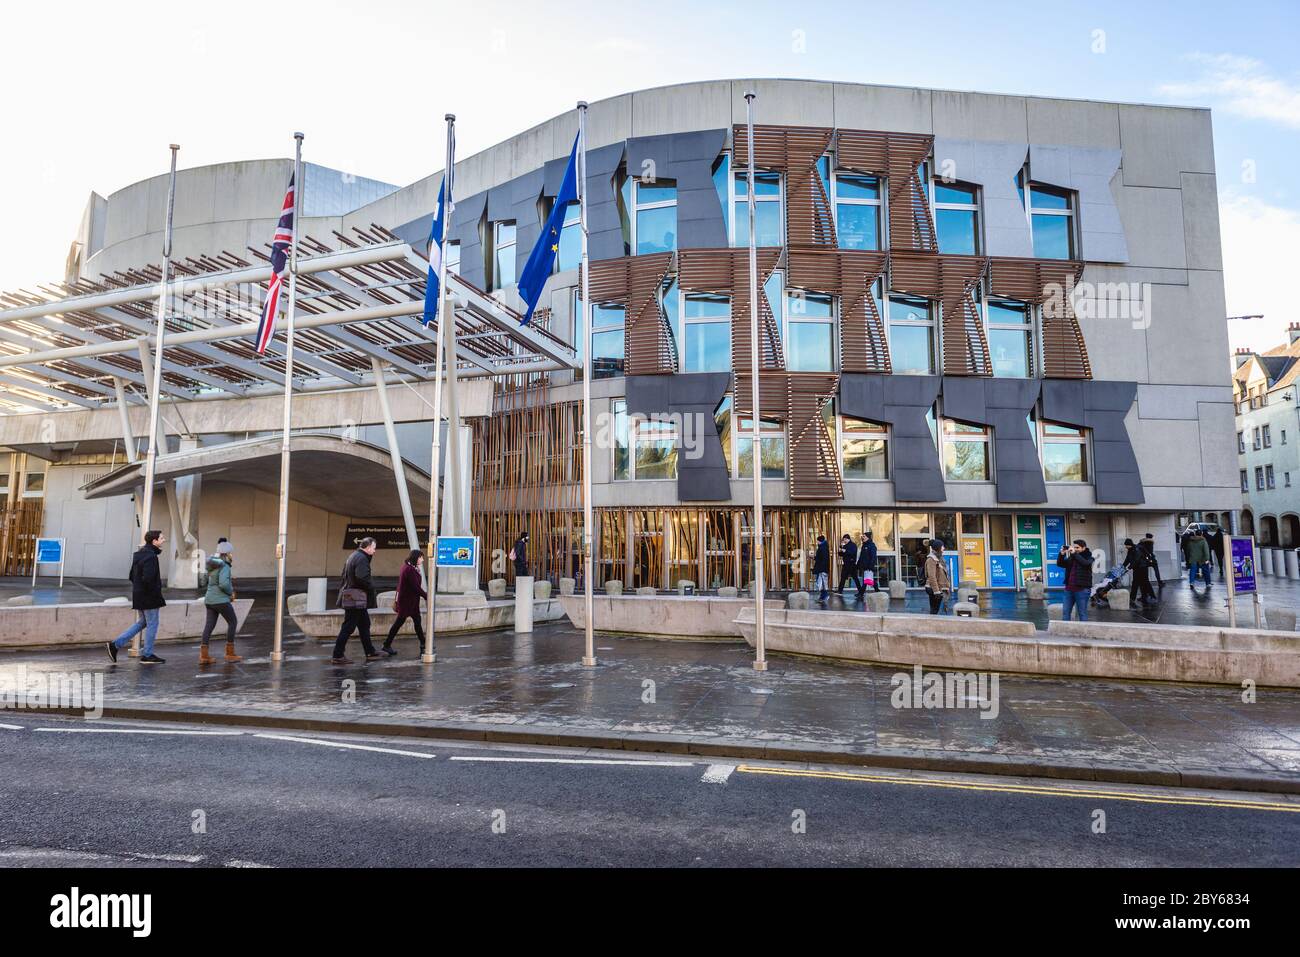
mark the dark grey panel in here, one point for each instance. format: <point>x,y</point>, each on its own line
<point>901,402</point>
<point>1004,405</point>
<point>693,397</point>
<point>687,158</point>
<point>1100,407</point>
<point>466,218</point>
<point>605,228</point>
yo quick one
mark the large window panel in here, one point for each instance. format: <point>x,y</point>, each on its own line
<point>858,207</point>
<point>1010,337</point>
<point>863,449</point>
<point>911,335</point>
<point>706,334</point>
<point>768,224</point>
<point>655,228</point>
<point>965,452</point>
<point>810,332</point>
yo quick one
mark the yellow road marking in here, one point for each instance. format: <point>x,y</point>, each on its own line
<point>1024,789</point>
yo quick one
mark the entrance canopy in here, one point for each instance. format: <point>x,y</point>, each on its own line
<point>77,344</point>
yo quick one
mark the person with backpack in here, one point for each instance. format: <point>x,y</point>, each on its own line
<point>1215,538</point>
<point>938,581</point>
<point>849,564</point>
<point>519,555</point>
<point>1198,558</point>
<point>410,589</point>
<point>356,598</point>
<point>822,569</point>
<point>867,558</point>
<point>218,601</point>
<point>146,598</point>
<point>1076,559</point>
<point>1139,561</point>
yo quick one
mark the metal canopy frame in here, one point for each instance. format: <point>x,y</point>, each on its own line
<point>358,301</point>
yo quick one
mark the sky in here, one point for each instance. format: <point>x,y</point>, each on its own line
<point>93,92</point>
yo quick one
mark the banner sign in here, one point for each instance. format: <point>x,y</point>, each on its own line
<point>1243,565</point>
<point>1054,530</point>
<point>1003,568</point>
<point>49,550</point>
<point>385,534</point>
<point>1031,559</point>
<point>457,552</point>
<point>972,562</point>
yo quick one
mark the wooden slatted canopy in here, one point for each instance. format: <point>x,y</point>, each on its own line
<point>797,399</point>
<point>851,275</point>
<point>898,157</point>
<point>951,280</point>
<point>794,151</point>
<point>725,272</point>
<point>1047,283</point>
<point>635,282</point>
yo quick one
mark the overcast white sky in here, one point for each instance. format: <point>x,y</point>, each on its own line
<point>92,93</point>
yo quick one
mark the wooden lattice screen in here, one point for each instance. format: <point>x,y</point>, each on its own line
<point>725,272</point>
<point>898,157</point>
<point>850,274</point>
<point>795,152</point>
<point>1046,283</point>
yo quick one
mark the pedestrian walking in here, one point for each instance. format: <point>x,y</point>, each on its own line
<point>1076,559</point>
<point>822,569</point>
<point>938,581</point>
<point>1138,559</point>
<point>356,598</point>
<point>921,557</point>
<point>867,558</point>
<point>519,555</point>
<point>1198,558</point>
<point>849,564</point>
<point>1215,538</point>
<point>146,598</point>
<point>410,589</point>
<point>1148,544</point>
<point>218,601</point>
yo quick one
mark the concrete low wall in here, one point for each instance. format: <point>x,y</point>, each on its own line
<point>37,626</point>
<point>697,617</point>
<point>484,616</point>
<point>1153,652</point>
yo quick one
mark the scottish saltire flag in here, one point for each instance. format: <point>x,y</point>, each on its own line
<point>280,243</point>
<point>542,259</point>
<point>436,231</point>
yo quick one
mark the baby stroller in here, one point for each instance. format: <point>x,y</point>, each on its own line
<point>1112,580</point>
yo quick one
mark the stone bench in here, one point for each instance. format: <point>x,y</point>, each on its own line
<point>90,623</point>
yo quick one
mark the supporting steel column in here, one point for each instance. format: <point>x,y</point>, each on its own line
<point>399,470</point>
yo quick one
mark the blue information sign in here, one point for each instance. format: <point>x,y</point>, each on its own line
<point>1054,531</point>
<point>49,550</point>
<point>1002,570</point>
<point>457,551</point>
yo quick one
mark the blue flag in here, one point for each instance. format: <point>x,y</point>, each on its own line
<point>435,256</point>
<point>542,259</point>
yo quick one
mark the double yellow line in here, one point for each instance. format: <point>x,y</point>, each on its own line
<point>1064,791</point>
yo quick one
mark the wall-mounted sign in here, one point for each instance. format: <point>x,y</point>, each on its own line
<point>457,551</point>
<point>1054,534</point>
<point>385,534</point>
<point>1002,570</point>
<point>973,565</point>
<point>1028,525</point>
<point>1030,551</point>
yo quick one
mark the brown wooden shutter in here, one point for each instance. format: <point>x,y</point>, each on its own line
<point>898,157</point>
<point>1047,283</point>
<point>849,274</point>
<point>951,280</point>
<point>635,281</point>
<point>725,272</point>
<point>794,151</point>
<point>797,399</point>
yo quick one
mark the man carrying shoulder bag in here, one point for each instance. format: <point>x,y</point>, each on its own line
<point>356,598</point>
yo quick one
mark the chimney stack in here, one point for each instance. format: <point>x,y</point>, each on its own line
<point>1292,333</point>
<point>1242,356</point>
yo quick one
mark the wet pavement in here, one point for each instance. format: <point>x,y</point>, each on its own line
<point>691,691</point>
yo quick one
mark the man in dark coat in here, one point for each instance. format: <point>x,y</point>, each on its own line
<point>867,558</point>
<point>146,598</point>
<point>1077,562</point>
<point>822,569</point>
<point>520,552</point>
<point>356,598</point>
<point>849,564</point>
<point>1215,538</point>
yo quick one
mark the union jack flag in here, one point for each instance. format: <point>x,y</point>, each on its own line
<point>279,264</point>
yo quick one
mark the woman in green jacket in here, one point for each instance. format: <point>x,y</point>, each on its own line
<point>219,601</point>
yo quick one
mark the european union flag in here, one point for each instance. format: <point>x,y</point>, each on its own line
<point>542,259</point>
<point>435,256</point>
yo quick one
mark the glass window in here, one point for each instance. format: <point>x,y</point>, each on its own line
<point>772,439</point>
<point>655,227</point>
<point>911,335</point>
<point>569,255</point>
<point>857,210</point>
<point>1245,481</point>
<point>1010,337</point>
<point>1052,221</point>
<point>453,258</point>
<point>965,452</point>
<point>606,337</point>
<point>862,449</point>
<point>956,218</point>
<point>622,461</point>
<point>644,449</point>
<point>706,333</point>
<point>1000,539</point>
<point>768,225</point>
<point>1065,453</point>
<point>1268,477</point>
<point>503,255</point>
<point>810,332</point>
<point>721,182</point>
<point>1259,479</point>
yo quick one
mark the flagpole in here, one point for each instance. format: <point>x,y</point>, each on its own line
<point>589,657</point>
<point>430,654</point>
<point>151,460</point>
<point>757,544</point>
<point>282,540</point>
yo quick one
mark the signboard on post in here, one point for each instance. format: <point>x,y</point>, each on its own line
<point>1241,580</point>
<point>49,551</point>
<point>457,551</point>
